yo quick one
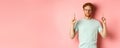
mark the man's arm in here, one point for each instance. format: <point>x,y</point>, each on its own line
<point>72,32</point>
<point>103,33</point>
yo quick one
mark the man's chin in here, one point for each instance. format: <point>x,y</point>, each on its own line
<point>87,15</point>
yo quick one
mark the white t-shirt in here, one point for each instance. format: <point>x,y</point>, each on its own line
<point>87,32</point>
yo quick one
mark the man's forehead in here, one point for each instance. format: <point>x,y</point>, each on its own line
<point>87,7</point>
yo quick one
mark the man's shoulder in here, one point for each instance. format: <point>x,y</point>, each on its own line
<point>96,21</point>
<point>80,19</point>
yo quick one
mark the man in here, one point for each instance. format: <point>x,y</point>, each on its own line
<point>88,28</point>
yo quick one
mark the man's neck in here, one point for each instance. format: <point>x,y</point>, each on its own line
<point>88,18</point>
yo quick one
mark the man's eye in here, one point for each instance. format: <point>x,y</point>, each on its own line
<point>86,10</point>
<point>89,10</point>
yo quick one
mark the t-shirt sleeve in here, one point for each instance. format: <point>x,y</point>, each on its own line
<point>76,26</point>
<point>99,27</point>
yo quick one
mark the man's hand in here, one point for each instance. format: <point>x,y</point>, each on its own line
<point>103,20</point>
<point>74,19</point>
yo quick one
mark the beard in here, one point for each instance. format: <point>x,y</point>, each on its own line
<point>87,15</point>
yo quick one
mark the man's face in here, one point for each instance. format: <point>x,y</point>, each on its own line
<point>87,11</point>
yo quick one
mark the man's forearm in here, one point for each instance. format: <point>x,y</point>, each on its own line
<point>104,30</point>
<point>72,32</point>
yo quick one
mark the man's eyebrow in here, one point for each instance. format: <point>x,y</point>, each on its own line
<point>87,9</point>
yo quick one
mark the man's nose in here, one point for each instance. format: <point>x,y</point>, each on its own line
<point>88,11</point>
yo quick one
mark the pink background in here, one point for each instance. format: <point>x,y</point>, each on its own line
<point>46,23</point>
